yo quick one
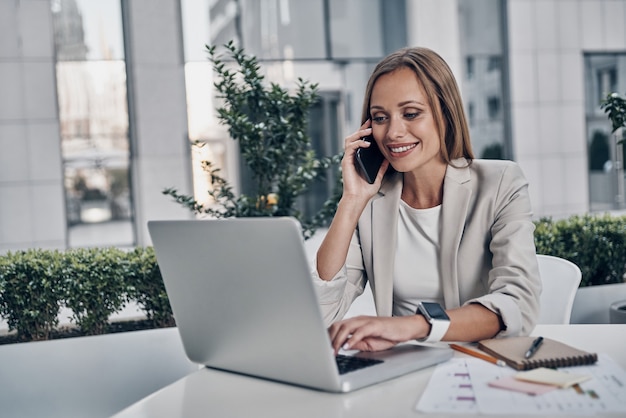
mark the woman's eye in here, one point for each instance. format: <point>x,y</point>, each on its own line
<point>411,115</point>
<point>378,119</point>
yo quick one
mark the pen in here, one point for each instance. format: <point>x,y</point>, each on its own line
<point>478,355</point>
<point>533,347</point>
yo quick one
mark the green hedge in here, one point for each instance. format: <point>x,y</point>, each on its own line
<point>94,283</point>
<point>597,244</point>
<point>31,292</point>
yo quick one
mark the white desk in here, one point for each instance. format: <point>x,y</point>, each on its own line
<point>210,393</point>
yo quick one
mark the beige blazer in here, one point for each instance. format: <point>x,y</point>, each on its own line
<point>487,250</point>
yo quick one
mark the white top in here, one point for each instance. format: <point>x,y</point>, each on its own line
<point>416,274</point>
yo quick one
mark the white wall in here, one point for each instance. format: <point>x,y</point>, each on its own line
<point>32,210</point>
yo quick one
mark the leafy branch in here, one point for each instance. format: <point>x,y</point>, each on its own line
<point>270,125</point>
<point>615,107</point>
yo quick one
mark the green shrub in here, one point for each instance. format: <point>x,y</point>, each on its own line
<point>145,286</point>
<point>31,292</point>
<point>93,283</point>
<point>597,244</point>
<point>94,280</point>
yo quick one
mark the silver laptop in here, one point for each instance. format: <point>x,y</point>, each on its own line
<point>244,301</point>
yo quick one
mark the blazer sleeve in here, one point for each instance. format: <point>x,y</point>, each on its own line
<point>513,283</point>
<point>335,296</point>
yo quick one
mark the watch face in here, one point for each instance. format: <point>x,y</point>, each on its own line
<point>435,310</point>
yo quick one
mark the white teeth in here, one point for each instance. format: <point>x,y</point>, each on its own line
<point>402,149</point>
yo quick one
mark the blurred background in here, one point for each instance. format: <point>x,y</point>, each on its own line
<point>100,101</point>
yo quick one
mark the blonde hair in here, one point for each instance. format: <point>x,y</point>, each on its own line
<point>441,91</point>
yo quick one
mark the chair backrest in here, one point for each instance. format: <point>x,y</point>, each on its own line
<point>560,279</point>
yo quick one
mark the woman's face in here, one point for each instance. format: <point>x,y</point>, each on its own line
<point>403,123</point>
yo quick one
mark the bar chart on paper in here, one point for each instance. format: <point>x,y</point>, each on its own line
<point>462,385</point>
<point>450,390</point>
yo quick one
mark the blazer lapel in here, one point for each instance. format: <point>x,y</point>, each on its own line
<point>456,198</point>
<point>384,236</point>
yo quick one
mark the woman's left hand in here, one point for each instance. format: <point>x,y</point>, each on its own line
<point>372,333</point>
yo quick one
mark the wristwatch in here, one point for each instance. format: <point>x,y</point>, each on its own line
<point>437,318</point>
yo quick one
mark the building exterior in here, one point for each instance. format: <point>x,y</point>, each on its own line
<point>99,105</point>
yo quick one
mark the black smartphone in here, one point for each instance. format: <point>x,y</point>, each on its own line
<point>369,160</point>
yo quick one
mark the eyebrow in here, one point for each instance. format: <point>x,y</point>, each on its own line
<point>401,104</point>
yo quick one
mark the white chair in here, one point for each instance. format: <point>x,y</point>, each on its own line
<point>560,279</point>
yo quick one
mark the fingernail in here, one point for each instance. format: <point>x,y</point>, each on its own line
<point>346,346</point>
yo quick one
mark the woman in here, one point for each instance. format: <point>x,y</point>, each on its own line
<point>435,226</point>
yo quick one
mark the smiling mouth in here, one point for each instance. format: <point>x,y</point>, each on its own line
<point>402,148</point>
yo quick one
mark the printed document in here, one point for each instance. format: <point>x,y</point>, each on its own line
<point>461,385</point>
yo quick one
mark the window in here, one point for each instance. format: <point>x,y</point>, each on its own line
<point>607,82</point>
<point>493,107</point>
<point>469,67</point>
<point>324,129</point>
<point>91,89</point>
<point>604,73</point>
<point>494,63</point>
<point>485,85</point>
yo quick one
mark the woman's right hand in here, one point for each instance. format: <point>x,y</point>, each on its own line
<point>354,184</point>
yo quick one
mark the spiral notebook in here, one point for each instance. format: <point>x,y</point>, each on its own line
<point>551,353</point>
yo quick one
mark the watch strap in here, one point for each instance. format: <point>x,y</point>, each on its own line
<point>438,329</point>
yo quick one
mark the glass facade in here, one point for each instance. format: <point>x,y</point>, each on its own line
<point>93,114</point>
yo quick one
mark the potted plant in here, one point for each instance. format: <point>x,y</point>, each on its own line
<point>270,125</point>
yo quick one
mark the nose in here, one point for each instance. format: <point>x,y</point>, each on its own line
<point>397,129</point>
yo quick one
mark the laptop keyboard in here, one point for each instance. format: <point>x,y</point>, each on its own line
<point>347,364</point>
